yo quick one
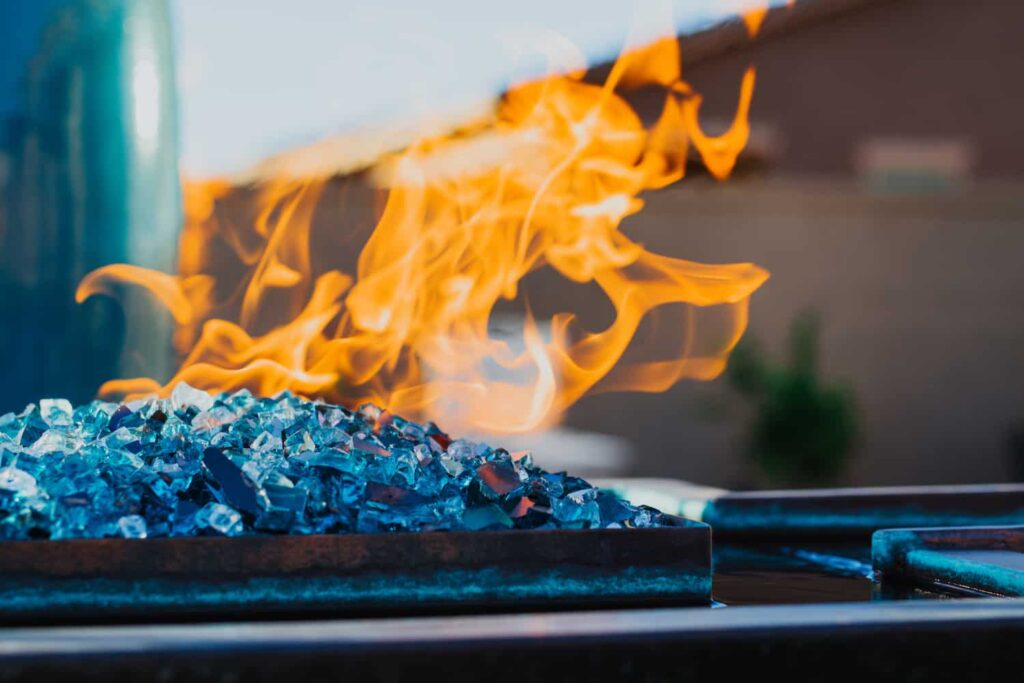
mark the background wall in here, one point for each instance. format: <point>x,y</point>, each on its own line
<point>913,260</point>
<point>906,68</point>
<point>922,302</point>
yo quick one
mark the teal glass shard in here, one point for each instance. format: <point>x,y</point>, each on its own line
<point>232,464</point>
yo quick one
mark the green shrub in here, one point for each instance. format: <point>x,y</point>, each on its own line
<point>804,427</point>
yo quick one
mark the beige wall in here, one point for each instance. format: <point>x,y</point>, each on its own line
<point>923,295</point>
<point>923,299</point>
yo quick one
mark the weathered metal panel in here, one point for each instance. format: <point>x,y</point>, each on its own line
<point>402,573</point>
<point>837,513</point>
<point>978,559</point>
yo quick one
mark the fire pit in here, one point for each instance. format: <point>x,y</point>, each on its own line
<point>279,522</point>
<point>195,506</point>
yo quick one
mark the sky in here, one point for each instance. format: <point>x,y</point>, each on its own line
<point>257,77</point>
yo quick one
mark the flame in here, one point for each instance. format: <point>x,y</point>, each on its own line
<point>753,19</point>
<point>545,183</point>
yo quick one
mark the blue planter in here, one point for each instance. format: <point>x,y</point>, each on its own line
<point>88,177</point>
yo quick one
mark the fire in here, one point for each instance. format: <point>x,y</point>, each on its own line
<point>544,184</point>
<point>753,19</point>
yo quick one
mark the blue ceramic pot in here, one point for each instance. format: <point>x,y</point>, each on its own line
<point>88,177</point>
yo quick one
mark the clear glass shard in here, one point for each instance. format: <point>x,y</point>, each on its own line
<point>232,464</point>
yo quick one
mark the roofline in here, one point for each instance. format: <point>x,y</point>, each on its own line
<point>723,38</point>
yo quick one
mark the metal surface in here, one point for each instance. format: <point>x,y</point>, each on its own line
<point>961,640</point>
<point>374,574</point>
<point>777,574</point>
<point>856,513</point>
<point>977,559</point>
<point>88,177</point>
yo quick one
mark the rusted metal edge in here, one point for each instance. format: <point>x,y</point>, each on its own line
<point>941,640</point>
<point>986,560</point>
<point>196,579</point>
<point>857,512</point>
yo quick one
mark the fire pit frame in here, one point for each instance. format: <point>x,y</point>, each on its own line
<point>196,579</point>
<point>980,560</point>
<point>944,640</point>
<point>856,513</point>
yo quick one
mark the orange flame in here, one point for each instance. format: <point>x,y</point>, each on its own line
<point>753,19</point>
<point>468,215</point>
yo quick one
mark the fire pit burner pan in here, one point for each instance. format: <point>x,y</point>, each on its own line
<point>196,579</point>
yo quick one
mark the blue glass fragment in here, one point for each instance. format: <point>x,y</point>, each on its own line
<point>231,464</point>
<point>17,482</point>
<point>612,508</point>
<point>393,496</point>
<point>499,478</point>
<point>33,427</point>
<point>132,526</point>
<point>286,497</point>
<point>486,517</point>
<point>237,489</point>
<point>220,519</point>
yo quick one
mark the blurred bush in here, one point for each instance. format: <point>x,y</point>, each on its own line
<point>804,427</point>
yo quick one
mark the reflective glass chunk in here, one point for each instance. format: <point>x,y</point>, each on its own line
<point>32,427</point>
<point>185,396</point>
<point>499,478</point>
<point>235,486</point>
<point>15,481</point>
<point>486,517</point>
<point>132,526</point>
<point>197,464</point>
<point>56,411</point>
<point>220,518</point>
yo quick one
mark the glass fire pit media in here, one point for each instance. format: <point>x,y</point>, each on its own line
<point>235,464</point>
